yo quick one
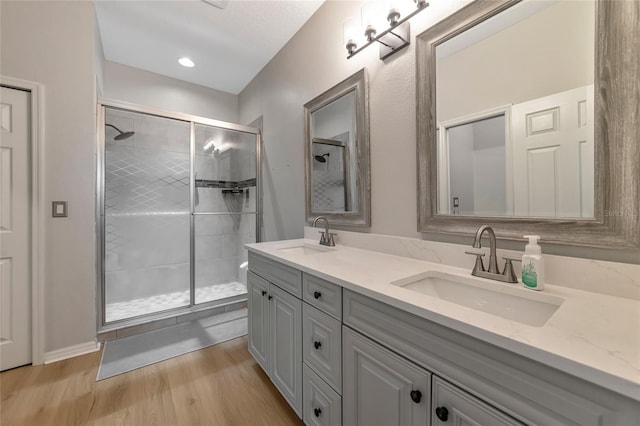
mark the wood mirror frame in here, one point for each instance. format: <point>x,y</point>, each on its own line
<point>617,134</point>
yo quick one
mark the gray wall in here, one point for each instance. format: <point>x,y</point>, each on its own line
<point>57,44</point>
<point>54,43</point>
<point>312,62</point>
<point>145,88</point>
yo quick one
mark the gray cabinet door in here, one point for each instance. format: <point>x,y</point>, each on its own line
<point>259,307</point>
<point>452,405</point>
<point>380,388</point>
<point>286,346</point>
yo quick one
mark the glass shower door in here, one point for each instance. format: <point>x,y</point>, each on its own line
<point>225,210</point>
<point>146,220</point>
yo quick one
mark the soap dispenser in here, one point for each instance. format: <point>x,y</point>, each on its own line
<point>533,264</point>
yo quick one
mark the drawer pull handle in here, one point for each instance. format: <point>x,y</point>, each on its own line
<point>270,297</point>
<point>317,412</point>
<point>264,292</point>
<point>416,396</point>
<point>317,294</point>
<point>442,413</point>
<point>317,344</point>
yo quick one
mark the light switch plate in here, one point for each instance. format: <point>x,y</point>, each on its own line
<point>59,209</point>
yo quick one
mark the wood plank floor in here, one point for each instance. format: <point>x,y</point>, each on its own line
<point>220,385</point>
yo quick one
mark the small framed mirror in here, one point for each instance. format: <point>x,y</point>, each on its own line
<point>527,120</point>
<point>337,176</point>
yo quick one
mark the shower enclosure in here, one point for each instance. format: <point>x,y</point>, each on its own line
<point>178,197</point>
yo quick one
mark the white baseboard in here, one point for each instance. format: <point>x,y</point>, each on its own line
<point>71,351</point>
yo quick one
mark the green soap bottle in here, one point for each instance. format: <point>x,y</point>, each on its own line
<point>533,264</point>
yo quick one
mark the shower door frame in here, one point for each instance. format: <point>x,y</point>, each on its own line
<point>192,120</point>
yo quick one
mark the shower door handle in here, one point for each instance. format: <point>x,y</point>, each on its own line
<point>264,292</point>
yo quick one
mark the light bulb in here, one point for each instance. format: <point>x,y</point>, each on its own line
<point>350,30</point>
<point>186,62</point>
<point>370,19</point>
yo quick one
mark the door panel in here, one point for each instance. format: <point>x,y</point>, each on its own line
<point>379,386</point>
<point>15,213</point>
<point>553,153</point>
<point>457,407</point>
<point>286,346</point>
<point>258,319</point>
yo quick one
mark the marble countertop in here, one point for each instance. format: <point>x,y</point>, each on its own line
<point>591,336</point>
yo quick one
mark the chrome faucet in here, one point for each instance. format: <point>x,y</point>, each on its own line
<point>508,274</point>
<point>326,237</point>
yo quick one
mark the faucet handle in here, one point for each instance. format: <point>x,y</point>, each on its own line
<point>332,241</point>
<point>512,258</point>
<point>479,266</point>
<point>323,237</point>
<point>508,272</point>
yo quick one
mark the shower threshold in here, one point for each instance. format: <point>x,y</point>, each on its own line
<point>162,302</point>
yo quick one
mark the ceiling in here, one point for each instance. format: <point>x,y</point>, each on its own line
<point>229,45</point>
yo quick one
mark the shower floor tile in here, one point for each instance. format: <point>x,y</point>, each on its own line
<point>147,305</point>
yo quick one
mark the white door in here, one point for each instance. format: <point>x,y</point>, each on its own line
<point>553,155</point>
<point>15,225</point>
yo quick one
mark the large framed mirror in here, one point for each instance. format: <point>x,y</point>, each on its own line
<point>337,177</point>
<point>528,120</point>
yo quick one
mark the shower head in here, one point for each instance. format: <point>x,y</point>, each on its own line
<point>321,159</point>
<point>122,135</point>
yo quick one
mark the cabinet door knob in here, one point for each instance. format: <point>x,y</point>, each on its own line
<point>264,292</point>
<point>270,297</point>
<point>317,294</point>
<point>317,412</point>
<point>442,413</point>
<point>317,344</point>
<point>416,396</point>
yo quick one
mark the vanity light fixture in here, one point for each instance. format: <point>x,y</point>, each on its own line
<point>391,40</point>
<point>186,62</point>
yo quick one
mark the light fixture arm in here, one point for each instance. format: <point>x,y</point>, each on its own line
<point>394,38</point>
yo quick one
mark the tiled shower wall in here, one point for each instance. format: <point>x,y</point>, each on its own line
<point>147,210</point>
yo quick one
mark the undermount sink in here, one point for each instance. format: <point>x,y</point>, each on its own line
<point>304,250</point>
<point>502,300</point>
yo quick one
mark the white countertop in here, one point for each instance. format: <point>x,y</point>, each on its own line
<point>592,336</point>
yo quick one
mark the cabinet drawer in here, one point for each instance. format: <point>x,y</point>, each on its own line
<point>322,345</point>
<point>285,277</point>
<point>322,294</point>
<point>452,405</point>
<point>322,406</point>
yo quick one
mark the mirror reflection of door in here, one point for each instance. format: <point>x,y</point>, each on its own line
<point>472,154</point>
<point>534,158</point>
<point>537,59</point>
<point>553,155</point>
<point>331,188</point>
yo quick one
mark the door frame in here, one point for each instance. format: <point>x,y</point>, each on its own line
<point>444,175</point>
<point>37,217</point>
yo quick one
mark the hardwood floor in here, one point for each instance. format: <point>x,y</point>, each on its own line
<point>220,385</point>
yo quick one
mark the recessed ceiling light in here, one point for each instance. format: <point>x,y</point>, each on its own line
<point>186,62</point>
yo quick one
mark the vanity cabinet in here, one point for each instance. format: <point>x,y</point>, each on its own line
<point>340,357</point>
<point>380,387</point>
<point>275,328</point>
